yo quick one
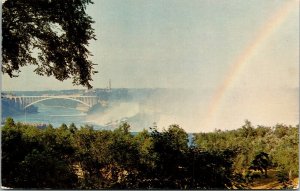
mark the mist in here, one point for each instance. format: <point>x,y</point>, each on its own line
<point>162,108</point>
<point>188,108</point>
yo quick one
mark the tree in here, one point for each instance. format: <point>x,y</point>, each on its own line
<point>123,158</point>
<point>281,130</point>
<point>51,34</point>
<point>42,169</point>
<point>169,148</point>
<point>248,130</point>
<point>261,162</point>
<point>73,128</point>
<point>9,122</point>
<point>36,158</point>
<point>210,169</point>
<point>286,152</point>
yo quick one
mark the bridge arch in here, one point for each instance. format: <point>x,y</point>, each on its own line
<point>48,98</point>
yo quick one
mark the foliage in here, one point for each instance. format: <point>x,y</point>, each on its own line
<point>169,149</point>
<point>284,179</point>
<point>257,148</point>
<point>35,158</point>
<point>260,162</point>
<point>68,157</point>
<point>53,35</point>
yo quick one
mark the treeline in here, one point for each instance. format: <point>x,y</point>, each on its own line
<point>83,158</point>
<point>258,149</point>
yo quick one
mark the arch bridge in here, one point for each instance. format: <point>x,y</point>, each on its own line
<point>26,101</point>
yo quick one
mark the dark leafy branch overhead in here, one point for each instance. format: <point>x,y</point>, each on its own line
<point>53,35</point>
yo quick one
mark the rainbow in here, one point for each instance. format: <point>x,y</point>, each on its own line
<point>262,35</point>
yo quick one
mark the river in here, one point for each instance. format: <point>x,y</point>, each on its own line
<point>55,115</point>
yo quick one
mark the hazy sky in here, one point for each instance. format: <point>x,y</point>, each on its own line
<point>175,43</point>
<point>191,44</point>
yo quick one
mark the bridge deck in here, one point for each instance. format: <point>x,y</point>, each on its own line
<point>26,101</point>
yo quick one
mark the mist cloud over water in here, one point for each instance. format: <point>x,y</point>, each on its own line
<point>115,112</point>
<point>188,108</point>
<point>163,108</point>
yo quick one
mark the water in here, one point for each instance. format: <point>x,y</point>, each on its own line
<point>55,115</point>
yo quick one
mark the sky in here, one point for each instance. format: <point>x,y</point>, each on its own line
<point>240,51</point>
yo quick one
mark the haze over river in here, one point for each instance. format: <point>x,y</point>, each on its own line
<point>141,108</point>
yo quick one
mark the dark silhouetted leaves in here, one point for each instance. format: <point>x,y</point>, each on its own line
<point>53,35</point>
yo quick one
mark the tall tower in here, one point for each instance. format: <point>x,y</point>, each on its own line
<point>109,85</point>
